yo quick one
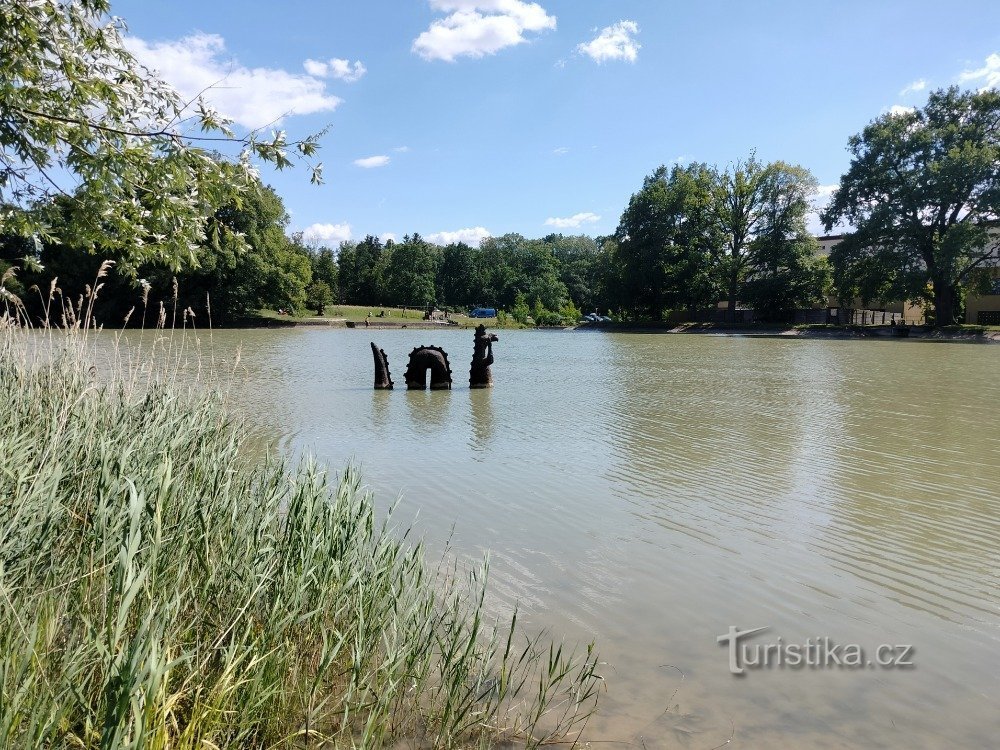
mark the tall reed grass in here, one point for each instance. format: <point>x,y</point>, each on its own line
<point>164,586</point>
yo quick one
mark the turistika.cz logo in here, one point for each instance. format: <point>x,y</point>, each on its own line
<point>816,653</point>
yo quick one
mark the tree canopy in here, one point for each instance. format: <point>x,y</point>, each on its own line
<point>921,193</point>
<point>82,120</point>
<point>695,234</point>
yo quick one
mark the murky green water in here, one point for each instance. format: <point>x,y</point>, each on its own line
<point>648,492</point>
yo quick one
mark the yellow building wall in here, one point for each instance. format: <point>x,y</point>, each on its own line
<point>976,304</point>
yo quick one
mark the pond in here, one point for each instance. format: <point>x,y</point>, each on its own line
<point>649,492</point>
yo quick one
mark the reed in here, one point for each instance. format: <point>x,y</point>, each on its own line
<point>163,585</point>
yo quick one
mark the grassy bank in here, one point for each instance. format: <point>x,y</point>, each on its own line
<point>162,586</point>
<point>393,317</point>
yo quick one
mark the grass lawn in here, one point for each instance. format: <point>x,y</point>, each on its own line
<point>358,313</point>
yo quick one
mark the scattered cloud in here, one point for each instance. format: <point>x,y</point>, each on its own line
<point>372,162</point>
<point>615,42</point>
<point>336,68</point>
<point>572,222</point>
<point>251,97</point>
<point>402,149</point>
<point>326,235</point>
<point>476,28</point>
<point>918,85</point>
<point>387,237</point>
<point>988,75</point>
<point>898,109</point>
<point>472,236</point>
<point>561,151</point>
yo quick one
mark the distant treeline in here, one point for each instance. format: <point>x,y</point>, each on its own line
<point>690,237</point>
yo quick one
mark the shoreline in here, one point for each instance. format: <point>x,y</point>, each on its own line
<point>883,333</point>
<point>844,333</point>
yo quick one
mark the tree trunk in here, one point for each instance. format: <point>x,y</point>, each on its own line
<point>945,308</point>
<point>731,306</point>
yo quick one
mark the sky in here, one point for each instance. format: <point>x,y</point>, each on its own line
<point>458,119</point>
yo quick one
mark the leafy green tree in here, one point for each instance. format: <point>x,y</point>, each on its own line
<point>411,271</point>
<point>318,296</point>
<point>570,313</point>
<point>665,239</point>
<point>324,266</point>
<point>245,263</point>
<point>458,279</point>
<point>784,271</point>
<point>76,108</point>
<point>767,253</point>
<point>499,276</point>
<point>520,312</point>
<point>577,264</point>
<point>361,268</point>
<point>921,192</point>
<point>739,203</point>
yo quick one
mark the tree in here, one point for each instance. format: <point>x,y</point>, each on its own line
<point>783,270</point>
<point>262,268</point>
<point>520,312</point>
<point>458,280</point>
<point>324,265</point>
<point>760,210</point>
<point>739,200</point>
<point>76,108</point>
<point>665,240</point>
<point>576,260</point>
<point>411,271</point>
<point>921,193</point>
<point>318,296</point>
<point>361,270</point>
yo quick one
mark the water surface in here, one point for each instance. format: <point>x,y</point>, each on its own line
<point>649,491</point>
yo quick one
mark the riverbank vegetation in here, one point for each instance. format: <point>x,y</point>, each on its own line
<point>163,583</point>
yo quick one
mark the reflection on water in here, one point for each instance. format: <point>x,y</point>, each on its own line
<point>650,491</point>
<point>481,415</point>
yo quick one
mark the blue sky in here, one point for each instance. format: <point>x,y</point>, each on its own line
<point>511,116</point>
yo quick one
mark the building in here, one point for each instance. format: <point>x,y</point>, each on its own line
<point>979,309</point>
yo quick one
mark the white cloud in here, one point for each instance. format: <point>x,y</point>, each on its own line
<point>898,109</point>
<point>918,85</point>
<point>988,75</point>
<point>336,68</point>
<point>371,162</point>
<point>252,97</point>
<point>387,237</point>
<point>572,222</point>
<point>402,149</point>
<point>615,42</point>
<point>476,28</point>
<point>472,236</point>
<point>561,151</point>
<point>327,235</point>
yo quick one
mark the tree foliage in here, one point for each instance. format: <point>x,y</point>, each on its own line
<point>921,193</point>
<point>82,120</point>
<point>230,279</point>
<point>665,241</point>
